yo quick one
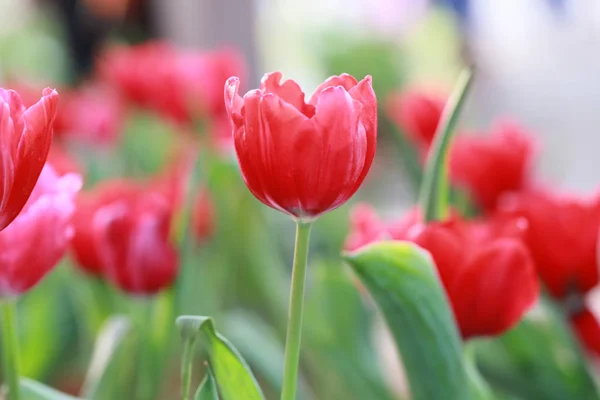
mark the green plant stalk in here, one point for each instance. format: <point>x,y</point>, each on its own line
<point>479,388</point>
<point>434,194</point>
<point>146,379</point>
<point>10,348</point>
<point>186,367</point>
<point>294,329</point>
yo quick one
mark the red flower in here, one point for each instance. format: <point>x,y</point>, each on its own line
<point>486,270</point>
<point>304,159</point>
<point>132,239</point>
<point>586,327</point>
<point>93,114</point>
<point>122,234</point>
<point>83,243</point>
<point>38,238</point>
<point>181,85</point>
<point>25,136</point>
<point>562,237</point>
<point>492,165</point>
<point>417,113</point>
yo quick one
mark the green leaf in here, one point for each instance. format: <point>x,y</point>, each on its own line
<point>434,194</point>
<point>33,390</point>
<point>208,388</point>
<point>403,281</point>
<point>112,354</point>
<point>232,374</point>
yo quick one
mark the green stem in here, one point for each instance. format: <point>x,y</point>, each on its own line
<point>479,388</point>
<point>10,348</point>
<point>186,367</point>
<point>146,378</point>
<point>294,332</point>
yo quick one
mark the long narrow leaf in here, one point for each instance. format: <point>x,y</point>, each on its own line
<point>403,281</point>
<point>435,188</point>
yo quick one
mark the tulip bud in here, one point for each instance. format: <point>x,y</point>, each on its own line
<point>304,159</point>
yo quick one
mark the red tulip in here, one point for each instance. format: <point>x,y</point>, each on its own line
<point>83,243</point>
<point>122,234</point>
<point>304,159</point>
<point>417,113</point>
<point>94,114</point>
<point>38,238</point>
<point>489,166</point>
<point>181,85</point>
<point>132,239</point>
<point>587,328</point>
<point>562,237</point>
<point>485,268</point>
<point>26,136</point>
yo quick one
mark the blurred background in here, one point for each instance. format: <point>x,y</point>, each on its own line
<point>536,63</point>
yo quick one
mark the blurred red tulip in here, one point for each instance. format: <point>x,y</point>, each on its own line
<point>489,166</point>
<point>587,328</point>
<point>26,137</point>
<point>131,236</point>
<point>417,113</point>
<point>83,243</point>
<point>304,159</point>
<point>94,114</point>
<point>182,85</point>
<point>38,238</point>
<point>562,237</point>
<point>122,233</point>
<point>486,269</point>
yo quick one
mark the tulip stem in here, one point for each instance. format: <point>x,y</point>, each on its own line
<point>10,348</point>
<point>294,329</point>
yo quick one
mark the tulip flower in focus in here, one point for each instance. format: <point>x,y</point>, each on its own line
<point>490,166</point>
<point>417,113</point>
<point>486,269</point>
<point>38,238</point>
<point>92,114</point>
<point>304,158</point>
<point>182,85</point>
<point>26,137</point>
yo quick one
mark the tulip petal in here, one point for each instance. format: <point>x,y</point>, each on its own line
<point>288,91</point>
<point>343,145</point>
<point>7,174</point>
<point>33,149</point>
<point>285,132</point>
<point>502,278</point>
<point>344,80</point>
<point>38,238</point>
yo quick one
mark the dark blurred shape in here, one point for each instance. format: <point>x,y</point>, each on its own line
<point>89,22</point>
